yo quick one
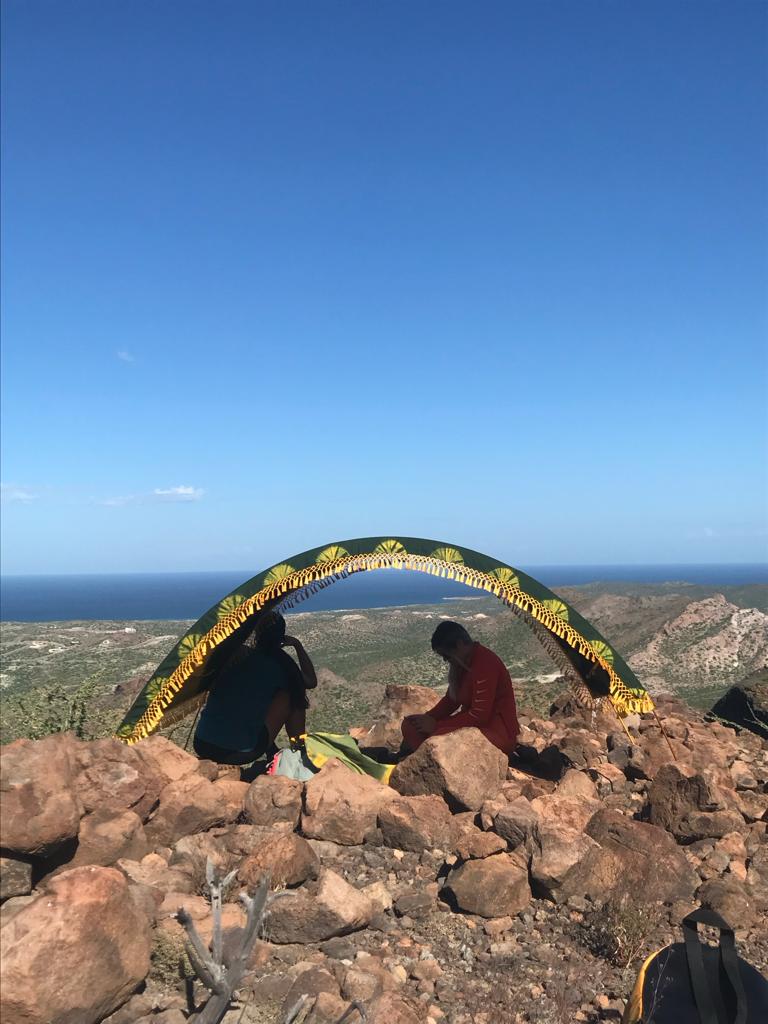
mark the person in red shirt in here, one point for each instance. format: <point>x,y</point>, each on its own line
<point>480,693</point>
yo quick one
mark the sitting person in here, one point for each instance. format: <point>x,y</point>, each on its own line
<point>254,697</point>
<point>479,693</point>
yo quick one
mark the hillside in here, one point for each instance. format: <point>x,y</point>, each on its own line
<point>692,641</point>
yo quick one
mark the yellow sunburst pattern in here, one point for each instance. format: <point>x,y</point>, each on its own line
<point>331,554</point>
<point>179,681</point>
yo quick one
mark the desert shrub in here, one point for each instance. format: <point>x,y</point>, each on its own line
<point>169,962</point>
<point>40,712</point>
<point>619,930</point>
<point>196,868</point>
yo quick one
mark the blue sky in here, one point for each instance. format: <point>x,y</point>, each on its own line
<point>280,273</point>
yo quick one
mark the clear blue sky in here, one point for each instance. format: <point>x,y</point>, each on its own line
<point>280,273</point>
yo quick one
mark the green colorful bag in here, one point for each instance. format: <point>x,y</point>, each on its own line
<point>308,754</point>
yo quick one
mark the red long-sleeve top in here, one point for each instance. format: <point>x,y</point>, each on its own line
<point>486,701</point>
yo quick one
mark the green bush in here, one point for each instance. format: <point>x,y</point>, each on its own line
<point>40,712</point>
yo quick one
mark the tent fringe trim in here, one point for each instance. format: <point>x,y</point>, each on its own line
<point>322,574</point>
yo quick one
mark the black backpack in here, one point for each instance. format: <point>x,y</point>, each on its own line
<point>689,983</point>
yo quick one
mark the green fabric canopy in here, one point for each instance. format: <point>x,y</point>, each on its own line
<point>181,681</point>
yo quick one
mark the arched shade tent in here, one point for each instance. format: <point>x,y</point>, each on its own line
<point>181,681</point>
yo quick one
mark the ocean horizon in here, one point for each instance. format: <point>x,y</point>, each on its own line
<point>187,595</point>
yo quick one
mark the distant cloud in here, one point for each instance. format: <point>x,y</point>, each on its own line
<point>125,357</point>
<point>15,492</point>
<point>126,499</point>
<point>181,493</point>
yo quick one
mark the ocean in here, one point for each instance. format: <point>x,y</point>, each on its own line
<point>128,596</point>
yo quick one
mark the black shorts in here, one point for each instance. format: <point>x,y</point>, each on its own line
<point>210,752</point>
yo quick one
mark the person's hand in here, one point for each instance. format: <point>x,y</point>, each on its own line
<point>291,641</point>
<point>424,723</point>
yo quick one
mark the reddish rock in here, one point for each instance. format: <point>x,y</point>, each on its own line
<point>577,785</point>
<point>463,767</point>
<point>75,953</point>
<point>647,760</point>
<point>286,859</point>
<point>753,806</point>
<point>328,1009</point>
<point>478,844</point>
<point>731,899</point>
<point>516,821</point>
<point>318,911</point>
<point>106,836</point>
<point>493,887</point>
<point>392,1008</point>
<point>638,857</point>
<point>165,760</point>
<point>39,810</point>
<point>273,798</point>
<point>341,806</point>
<point>398,701</point>
<point>199,909</point>
<point>581,748</point>
<point>416,823</point>
<point>379,895</point>
<point>154,872</point>
<point>15,877</point>
<point>608,778</point>
<point>560,865</point>
<point>757,876</point>
<point>111,776</point>
<point>690,805</point>
<point>190,853</point>
<point>565,811</point>
<point>231,794</point>
<point>193,804</point>
<point>309,982</point>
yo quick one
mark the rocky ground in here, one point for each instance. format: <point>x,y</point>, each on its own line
<point>472,890</point>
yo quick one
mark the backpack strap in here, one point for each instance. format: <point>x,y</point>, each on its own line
<point>728,959</point>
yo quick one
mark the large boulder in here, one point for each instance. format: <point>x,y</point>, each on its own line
<point>105,836</point>
<point>746,705</point>
<point>392,1008</point>
<point>560,865</point>
<point>193,804</point>
<point>76,953</point>
<point>417,823</point>
<point>638,857</point>
<point>516,821</point>
<point>111,776</point>
<point>730,898</point>
<point>153,872</point>
<point>286,859</point>
<point>462,767</point>
<point>274,798</point>
<point>166,760</point>
<point>495,886</point>
<point>39,809</point>
<point>690,805</point>
<point>341,806</point>
<point>566,811</point>
<point>475,844</point>
<point>15,877</point>
<point>318,911</point>
<point>398,701</point>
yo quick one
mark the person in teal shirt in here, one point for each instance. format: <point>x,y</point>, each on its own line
<point>255,695</point>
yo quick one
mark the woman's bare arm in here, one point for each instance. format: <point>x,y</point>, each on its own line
<point>305,662</point>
